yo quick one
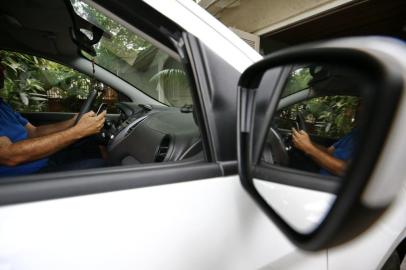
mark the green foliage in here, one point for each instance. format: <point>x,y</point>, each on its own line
<point>22,88</point>
<point>30,81</point>
<point>172,80</point>
<point>298,80</point>
<point>328,116</point>
<point>121,46</point>
<point>136,60</point>
<point>122,42</point>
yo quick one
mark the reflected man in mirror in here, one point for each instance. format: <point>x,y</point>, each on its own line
<point>26,149</point>
<point>333,160</point>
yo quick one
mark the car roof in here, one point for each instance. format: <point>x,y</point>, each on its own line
<point>40,27</point>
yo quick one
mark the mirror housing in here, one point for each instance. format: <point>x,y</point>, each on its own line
<point>360,200</point>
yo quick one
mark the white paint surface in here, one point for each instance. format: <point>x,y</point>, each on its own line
<point>207,224</point>
<point>301,208</point>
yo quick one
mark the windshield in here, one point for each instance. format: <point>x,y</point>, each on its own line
<point>137,61</point>
<point>297,81</point>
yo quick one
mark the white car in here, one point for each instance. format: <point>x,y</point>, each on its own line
<point>174,199</point>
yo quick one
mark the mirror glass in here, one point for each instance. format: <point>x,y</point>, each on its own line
<point>312,137</point>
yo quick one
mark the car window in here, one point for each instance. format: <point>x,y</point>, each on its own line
<point>322,120</point>
<point>299,81</point>
<point>136,60</point>
<point>34,84</point>
<point>138,134</point>
<point>329,117</point>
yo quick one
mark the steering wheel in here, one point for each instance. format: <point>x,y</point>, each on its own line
<point>301,121</point>
<point>275,149</point>
<point>87,105</point>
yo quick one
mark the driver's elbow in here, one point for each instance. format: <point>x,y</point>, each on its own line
<point>33,133</point>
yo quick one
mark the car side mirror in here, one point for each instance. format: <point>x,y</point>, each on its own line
<point>319,136</point>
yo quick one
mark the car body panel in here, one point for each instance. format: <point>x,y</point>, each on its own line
<point>207,224</point>
<point>371,249</point>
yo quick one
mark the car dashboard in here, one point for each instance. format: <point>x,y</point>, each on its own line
<point>147,134</point>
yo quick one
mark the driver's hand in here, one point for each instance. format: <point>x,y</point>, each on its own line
<point>72,121</point>
<point>301,140</point>
<point>90,123</point>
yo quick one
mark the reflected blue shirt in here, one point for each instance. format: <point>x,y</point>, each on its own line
<point>12,125</point>
<point>343,149</point>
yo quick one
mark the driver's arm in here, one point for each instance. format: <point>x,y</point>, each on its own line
<point>328,150</point>
<point>12,154</point>
<point>38,131</point>
<point>327,161</point>
<point>323,158</point>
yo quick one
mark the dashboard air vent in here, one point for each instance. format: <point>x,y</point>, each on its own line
<point>162,149</point>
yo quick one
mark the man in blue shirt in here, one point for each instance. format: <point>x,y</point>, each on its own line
<point>25,148</point>
<point>332,160</point>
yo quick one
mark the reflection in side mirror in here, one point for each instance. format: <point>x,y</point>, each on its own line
<point>312,125</point>
<point>315,125</point>
<point>303,209</point>
<point>314,129</point>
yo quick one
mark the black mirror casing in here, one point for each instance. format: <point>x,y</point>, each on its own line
<point>350,215</point>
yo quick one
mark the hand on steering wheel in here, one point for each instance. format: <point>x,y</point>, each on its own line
<point>300,121</point>
<point>90,124</point>
<point>91,98</point>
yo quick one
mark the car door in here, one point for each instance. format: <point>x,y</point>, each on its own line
<point>178,215</point>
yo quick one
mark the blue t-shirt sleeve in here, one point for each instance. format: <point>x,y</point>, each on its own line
<point>338,143</point>
<point>343,148</point>
<point>17,115</point>
<point>2,132</point>
<point>21,119</point>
